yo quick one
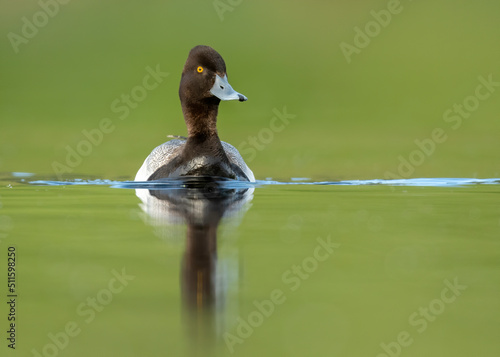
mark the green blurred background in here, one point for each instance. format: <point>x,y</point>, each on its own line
<point>353,120</point>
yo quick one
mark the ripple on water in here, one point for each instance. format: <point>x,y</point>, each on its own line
<point>176,183</point>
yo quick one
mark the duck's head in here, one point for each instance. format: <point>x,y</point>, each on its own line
<point>204,78</point>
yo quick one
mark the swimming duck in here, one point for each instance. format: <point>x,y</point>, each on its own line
<point>203,85</point>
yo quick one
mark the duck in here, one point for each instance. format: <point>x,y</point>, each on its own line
<point>203,86</point>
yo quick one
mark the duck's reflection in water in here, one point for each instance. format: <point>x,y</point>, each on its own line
<point>200,204</point>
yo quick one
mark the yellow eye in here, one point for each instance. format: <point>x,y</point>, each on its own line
<point>199,69</point>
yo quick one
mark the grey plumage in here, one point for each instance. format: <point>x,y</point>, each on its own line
<point>170,149</point>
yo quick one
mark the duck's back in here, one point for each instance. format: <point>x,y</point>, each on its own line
<point>159,156</point>
<point>235,158</point>
<point>158,161</point>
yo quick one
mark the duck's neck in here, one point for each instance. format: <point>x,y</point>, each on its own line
<point>201,122</point>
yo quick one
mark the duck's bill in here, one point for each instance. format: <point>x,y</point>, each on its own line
<point>223,90</point>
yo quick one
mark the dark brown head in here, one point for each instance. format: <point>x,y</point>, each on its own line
<point>204,79</point>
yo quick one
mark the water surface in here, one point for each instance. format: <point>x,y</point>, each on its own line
<point>295,268</point>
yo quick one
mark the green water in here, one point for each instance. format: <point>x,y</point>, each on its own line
<point>314,271</point>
